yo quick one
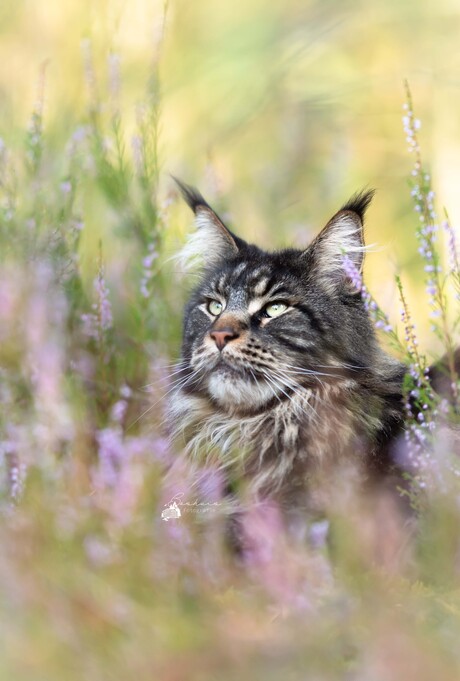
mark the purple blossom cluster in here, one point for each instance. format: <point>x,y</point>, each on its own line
<point>424,197</point>
<point>148,261</point>
<point>419,405</point>
<point>427,234</point>
<point>118,475</point>
<point>17,478</point>
<point>411,126</point>
<point>427,237</point>
<point>96,324</point>
<point>410,337</point>
<point>147,270</point>
<point>111,454</point>
<point>379,318</point>
<point>120,407</point>
<point>14,469</point>
<point>454,258</point>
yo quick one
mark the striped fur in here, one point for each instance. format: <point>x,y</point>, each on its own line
<point>292,399</point>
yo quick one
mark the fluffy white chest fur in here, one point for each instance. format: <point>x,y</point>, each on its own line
<point>281,446</point>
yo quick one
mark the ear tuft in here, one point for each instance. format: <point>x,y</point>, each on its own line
<point>359,203</point>
<point>191,195</point>
<point>342,236</point>
<point>213,241</point>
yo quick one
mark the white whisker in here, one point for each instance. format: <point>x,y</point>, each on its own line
<point>179,384</point>
<point>163,379</point>
<point>304,396</point>
<point>170,366</point>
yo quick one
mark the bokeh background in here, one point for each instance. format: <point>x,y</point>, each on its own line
<point>278,111</point>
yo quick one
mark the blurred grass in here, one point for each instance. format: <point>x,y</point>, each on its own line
<point>284,109</point>
<point>278,112</point>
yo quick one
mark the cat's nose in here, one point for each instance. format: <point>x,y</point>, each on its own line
<point>223,336</point>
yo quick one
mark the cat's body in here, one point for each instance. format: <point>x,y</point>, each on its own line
<point>284,383</point>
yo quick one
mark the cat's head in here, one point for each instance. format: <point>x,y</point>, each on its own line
<point>261,325</point>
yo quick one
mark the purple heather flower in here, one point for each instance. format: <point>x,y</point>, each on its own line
<point>352,273</point>
<point>269,558</point>
<point>148,260</point>
<point>378,317</point>
<point>211,484</point>
<point>118,411</point>
<point>318,533</point>
<point>97,323</point>
<point>17,476</point>
<point>147,274</point>
<point>111,454</point>
<point>424,197</point>
<point>90,325</point>
<point>103,305</point>
<point>125,391</point>
<point>66,187</point>
<point>98,553</point>
<point>452,248</point>
<point>262,529</point>
<point>155,448</point>
<point>80,134</point>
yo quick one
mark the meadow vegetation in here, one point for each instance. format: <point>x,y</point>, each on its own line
<point>94,583</point>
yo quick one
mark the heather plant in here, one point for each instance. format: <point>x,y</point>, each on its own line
<point>95,582</point>
<point>418,387</point>
<point>423,407</point>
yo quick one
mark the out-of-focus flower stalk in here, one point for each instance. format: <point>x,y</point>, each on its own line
<point>98,323</point>
<point>377,315</point>
<point>423,195</point>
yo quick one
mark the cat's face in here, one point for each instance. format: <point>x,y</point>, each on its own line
<point>262,325</point>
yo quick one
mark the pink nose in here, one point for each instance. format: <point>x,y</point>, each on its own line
<point>223,336</point>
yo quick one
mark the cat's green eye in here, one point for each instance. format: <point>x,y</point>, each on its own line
<point>215,308</point>
<point>275,309</point>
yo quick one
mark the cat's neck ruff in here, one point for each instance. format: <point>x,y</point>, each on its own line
<point>308,429</point>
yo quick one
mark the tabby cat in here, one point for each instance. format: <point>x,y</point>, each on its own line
<point>283,381</point>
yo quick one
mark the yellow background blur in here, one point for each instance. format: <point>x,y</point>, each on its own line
<point>277,110</point>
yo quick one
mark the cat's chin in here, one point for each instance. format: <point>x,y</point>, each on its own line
<point>235,392</point>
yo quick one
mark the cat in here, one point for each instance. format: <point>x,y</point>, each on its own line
<point>283,382</point>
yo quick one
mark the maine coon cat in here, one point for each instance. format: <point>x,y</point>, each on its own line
<point>283,381</point>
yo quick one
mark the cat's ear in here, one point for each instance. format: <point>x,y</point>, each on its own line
<point>212,241</point>
<point>342,237</point>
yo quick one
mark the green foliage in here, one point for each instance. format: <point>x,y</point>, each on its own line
<point>94,584</point>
